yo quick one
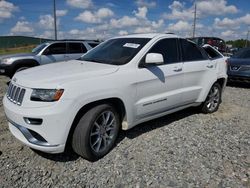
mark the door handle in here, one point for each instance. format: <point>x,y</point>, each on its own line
<point>177,69</point>
<point>210,66</point>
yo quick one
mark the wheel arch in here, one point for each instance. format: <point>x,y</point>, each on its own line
<point>24,63</point>
<point>117,103</point>
<point>222,82</point>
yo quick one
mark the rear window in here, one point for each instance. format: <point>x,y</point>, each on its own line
<point>76,48</point>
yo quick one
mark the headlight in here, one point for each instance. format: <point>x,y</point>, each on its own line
<point>6,61</point>
<point>46,95</point>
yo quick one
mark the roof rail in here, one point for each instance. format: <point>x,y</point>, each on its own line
<point>93,40</point>
<point>170,33</point>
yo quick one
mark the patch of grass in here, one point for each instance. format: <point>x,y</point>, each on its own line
<point>25,49</point>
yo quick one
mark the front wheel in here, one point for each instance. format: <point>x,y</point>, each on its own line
<point>96,132</point>
<point>213,99</point>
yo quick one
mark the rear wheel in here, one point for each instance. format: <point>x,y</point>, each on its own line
<point>96,132</point>
<point>213,99</point>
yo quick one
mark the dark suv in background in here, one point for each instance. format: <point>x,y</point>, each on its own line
<point>239,66</point>
<point>45,53</point>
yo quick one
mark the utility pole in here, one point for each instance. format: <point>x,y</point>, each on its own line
<point>246,45</point>
<point>55,20</point>
<point>195,14</point>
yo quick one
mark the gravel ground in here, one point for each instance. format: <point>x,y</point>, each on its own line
<point>185,149</point>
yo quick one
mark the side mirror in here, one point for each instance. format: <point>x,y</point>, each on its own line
<point>154,58</point>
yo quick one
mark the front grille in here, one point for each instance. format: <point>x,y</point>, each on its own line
<point>15,94</point>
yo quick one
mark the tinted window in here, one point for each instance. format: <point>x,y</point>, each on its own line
<point>116,51</point>
<point>40,47</point>
<point>211,52</point>
<point>76,48</point>
<point>57,48</point>
<point>93,44</point>
<point>168,48</point>
<point>190,51</point>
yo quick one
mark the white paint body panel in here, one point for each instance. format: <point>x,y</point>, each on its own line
<point>146,93</point>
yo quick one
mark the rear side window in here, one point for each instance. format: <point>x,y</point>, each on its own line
<point>212,53</point>
<point>190,51</point>
<point>168,48</point>
<point>57,48</point>
<point>76,48</point>
<point>93,44</point>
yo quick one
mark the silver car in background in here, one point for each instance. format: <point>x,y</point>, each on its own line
<point>45,53</point>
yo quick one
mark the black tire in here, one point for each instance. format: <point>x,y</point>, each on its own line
<point>213,100</point>
<point>83,141</point>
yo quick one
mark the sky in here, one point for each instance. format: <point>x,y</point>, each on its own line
<point>102,19</point>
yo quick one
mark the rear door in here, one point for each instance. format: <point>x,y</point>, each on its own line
<point>218,60</point>
<point>159,86</point>
<point>75,50</point>
<point>54,53</point>
<point>198,71</point>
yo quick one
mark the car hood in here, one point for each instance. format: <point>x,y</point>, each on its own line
<point>237,61</point>
<point>17,55</point>
<point>56,74</point>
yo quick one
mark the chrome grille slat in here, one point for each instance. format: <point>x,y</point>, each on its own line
<point>15,94</point>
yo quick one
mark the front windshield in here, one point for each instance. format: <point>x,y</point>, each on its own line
<point>116,51</point>
<point>37,49</point>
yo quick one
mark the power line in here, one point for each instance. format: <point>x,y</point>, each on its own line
<point>246,45</point>
<point>195,17</point>
<point>55,19</point>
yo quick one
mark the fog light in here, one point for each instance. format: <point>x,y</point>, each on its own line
<point>33,121</point>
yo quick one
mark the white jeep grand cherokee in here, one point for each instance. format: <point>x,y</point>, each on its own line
<point>119,84</point>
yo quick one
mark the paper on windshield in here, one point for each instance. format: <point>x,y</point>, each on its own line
<point>131,45</point>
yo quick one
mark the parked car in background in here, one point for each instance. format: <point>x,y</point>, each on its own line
<point>216,42</point>
<point>239,66</point>
<point>45,53</point>
<point>121,83</point>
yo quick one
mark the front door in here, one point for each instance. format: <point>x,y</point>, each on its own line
<point>54,53</point>
<point>159,87</point>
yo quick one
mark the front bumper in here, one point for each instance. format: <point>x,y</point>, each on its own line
<point>51,136</point>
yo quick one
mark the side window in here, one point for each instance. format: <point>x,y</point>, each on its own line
<point>212,53</point>
<point>168,48</point>
<point>76,48</point>
<point>93,44</point>
<point>57,48</point>
<point>190,51</point>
